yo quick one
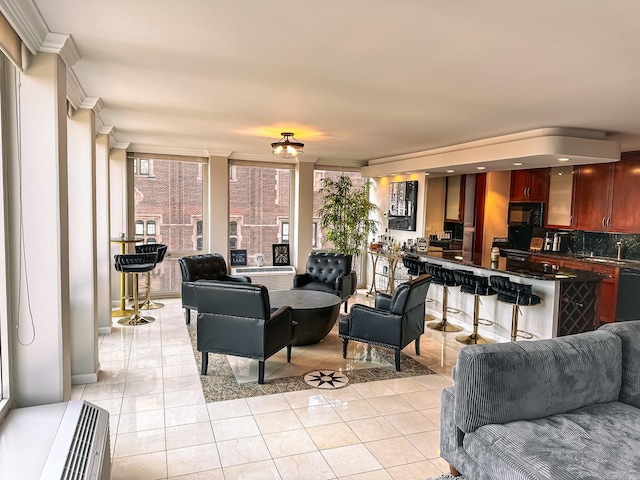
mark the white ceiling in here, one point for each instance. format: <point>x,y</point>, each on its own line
<point>354,79</point>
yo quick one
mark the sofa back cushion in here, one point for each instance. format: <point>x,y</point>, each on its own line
<point>503,382</point>
<point>629,333</point>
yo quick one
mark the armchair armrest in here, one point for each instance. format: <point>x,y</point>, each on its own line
<point>301,279</point>
<point>279,313</point>
<point>383,301</point>
<point>238,278</point>
<point>378,325</point>
<point>343,285</point>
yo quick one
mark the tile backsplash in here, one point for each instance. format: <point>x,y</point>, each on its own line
<point>604,244</point>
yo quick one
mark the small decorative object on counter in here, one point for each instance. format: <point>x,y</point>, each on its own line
<point>495,254</point>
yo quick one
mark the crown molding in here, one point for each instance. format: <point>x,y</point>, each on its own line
<point>26,20</point>
<point>92,103</point>
<point>187,152</point>
<point>116,144</point>
<point>63,45</point>
<point>103,129</point>
<point>75,93</point>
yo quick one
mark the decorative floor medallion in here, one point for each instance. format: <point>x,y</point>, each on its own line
<point>326,379</point>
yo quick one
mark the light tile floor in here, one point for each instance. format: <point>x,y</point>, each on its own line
<point>161,427</point>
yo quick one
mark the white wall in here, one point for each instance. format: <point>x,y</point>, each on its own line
<point>218,206</point>
<point>302,221</point>
<point>102,245</point>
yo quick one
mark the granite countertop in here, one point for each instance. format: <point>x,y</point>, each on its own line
<point>535,271</point>
<point>624,263</point>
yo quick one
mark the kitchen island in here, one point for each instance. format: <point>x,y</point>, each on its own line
<point>569,297</point>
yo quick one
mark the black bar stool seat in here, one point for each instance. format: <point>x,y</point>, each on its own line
<point>445,277</point>
<point>477,286</point>
<point>518,295</point>
<point>135,263</point>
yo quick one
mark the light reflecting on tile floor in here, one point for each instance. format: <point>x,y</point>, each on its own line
<point>161,427</point>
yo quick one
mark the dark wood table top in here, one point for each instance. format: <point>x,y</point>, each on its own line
<point>302,299</point>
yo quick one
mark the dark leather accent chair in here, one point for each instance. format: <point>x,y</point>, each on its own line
<point>395,321</point>
<point>328,272</point>
<point>236,319</point>
<point>202,268</point>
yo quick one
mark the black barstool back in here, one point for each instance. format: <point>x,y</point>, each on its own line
<point>477,286</point>
<point>160,249</point>
<point>517,295</point>
<point>446,278</point>
<point>135,263</point>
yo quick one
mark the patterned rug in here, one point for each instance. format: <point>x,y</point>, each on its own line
<point>220,384</point>
<point>446,476</point>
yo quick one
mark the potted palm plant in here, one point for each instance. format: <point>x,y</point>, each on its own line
<point>345,214</point>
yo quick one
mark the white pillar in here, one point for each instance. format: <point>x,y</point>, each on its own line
<point>118,212</point>
<point>218,206</point>
<point>82,259</point>
<point>103,247</point>
<point>302,221</point>
<point>39,247</point>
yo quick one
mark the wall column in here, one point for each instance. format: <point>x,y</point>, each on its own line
<point>82,235</point>
<point>119,179</point>
<point>217,204</point>
<point>302,221</point>
<point>39,233</point>
<point>103,246</point>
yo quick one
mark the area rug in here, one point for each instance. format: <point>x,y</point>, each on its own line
<point>446,476</point>
<point>220,384</point>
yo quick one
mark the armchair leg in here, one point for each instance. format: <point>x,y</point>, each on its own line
<point>289,353</point>
<point>418,346</point>
<point>187,316</point>
<point>398,359</point>
<point>344,347</point>
<point>260,372</point>
<point>345,305</point>
<point>205,363</point>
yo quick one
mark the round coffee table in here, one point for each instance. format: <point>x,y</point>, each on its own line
<point>316,312</point>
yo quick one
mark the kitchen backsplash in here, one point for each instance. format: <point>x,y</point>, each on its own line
<point>605,244</point>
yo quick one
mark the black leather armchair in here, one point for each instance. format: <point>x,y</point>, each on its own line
<point>395,321</point>
<point>236,319</point>
<point>328,272</point>
<point>199,268</point>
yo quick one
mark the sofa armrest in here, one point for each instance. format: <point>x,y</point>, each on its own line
<point>451,436</point>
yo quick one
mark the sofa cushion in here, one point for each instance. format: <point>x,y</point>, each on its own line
<point>503,382</point>
<point>629,333</point>
<point>597,442</point>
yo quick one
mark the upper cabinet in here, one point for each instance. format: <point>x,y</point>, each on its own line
<point>607,196</point>
<point>560,197</point>
<point>454,199</point>
<point>530,185</point>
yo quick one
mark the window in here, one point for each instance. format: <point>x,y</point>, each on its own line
<point>314,235</point>
<point>170,206</point>
<point>284,234</point>
<point>144,167</point>
<point>135,167</point>
<point>151,240</point>
<point>139,227</point>
<point>261,198</point>
<point>233,228</point>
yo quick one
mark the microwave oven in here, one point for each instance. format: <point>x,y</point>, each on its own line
<point>530,213</point>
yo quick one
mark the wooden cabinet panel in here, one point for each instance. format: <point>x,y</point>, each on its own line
<point>625,196</point>
<point>560,197</point>
<point>576,265</point>
<point>591,204</point>
<point>529,185</point>
<point>454,199</point>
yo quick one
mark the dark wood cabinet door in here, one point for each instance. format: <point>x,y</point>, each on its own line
<point>529,185</point>
<point>625,197</point>
<point>519,185</point>
<point>608,293</point>
<point>591,204</point>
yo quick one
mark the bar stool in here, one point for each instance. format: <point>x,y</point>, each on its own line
<point>477,286</point>
<point>443,276</point>
<point>518,295</point>
<point>161,250</point>
<point>135,263</point>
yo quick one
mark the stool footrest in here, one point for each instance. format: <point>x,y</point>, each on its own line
<point>473,339</point>
<point>524,334</point>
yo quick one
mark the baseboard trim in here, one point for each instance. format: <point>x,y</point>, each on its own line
<point>85,378</point>
<point>104,330</point>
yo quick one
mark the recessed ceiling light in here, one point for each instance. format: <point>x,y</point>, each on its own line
<point>450,171</point>
<point>427,173</point>
<point>563,159</point>
<point>481,168</point>
<point>517,164</point>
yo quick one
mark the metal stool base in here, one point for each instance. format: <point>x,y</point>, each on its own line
<point>444,326</point>
<point>473,339</point>
<point>429,318</point>
<point>149,305</point>
<point>121,313</point>
<point>135,320</point>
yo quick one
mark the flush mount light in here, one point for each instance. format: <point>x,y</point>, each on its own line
<point>563,159</point>
<point>287,146</point>
<point>481,168</point>
<point>518,164</point>
<point>427,173</point>
<point>450,171</point>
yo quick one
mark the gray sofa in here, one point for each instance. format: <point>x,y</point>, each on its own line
<point>561,409</point>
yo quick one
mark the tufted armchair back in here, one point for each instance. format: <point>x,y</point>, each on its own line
<point>210,266</point>
<point>327,267</point>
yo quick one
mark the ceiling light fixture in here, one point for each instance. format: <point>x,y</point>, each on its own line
<point>287,146</point>
<point>481,168</point>
<point>517,164</point>
<point>563,159</point>
<point>450,171</point>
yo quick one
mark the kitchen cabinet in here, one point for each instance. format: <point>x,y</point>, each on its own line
<point>454,199</point>
<point>560,197</point>
<point>608,297</point>
<point>529,185</point>
<point>607,196</point>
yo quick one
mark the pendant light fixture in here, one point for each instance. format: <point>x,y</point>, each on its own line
<point>287,146</point>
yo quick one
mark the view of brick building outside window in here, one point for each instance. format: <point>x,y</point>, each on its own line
<point>168,199</point>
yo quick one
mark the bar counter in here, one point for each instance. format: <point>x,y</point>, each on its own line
<point>569,298</point>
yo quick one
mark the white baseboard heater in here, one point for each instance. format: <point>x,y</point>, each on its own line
<point>274,278</point>
<point>61,441</point>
